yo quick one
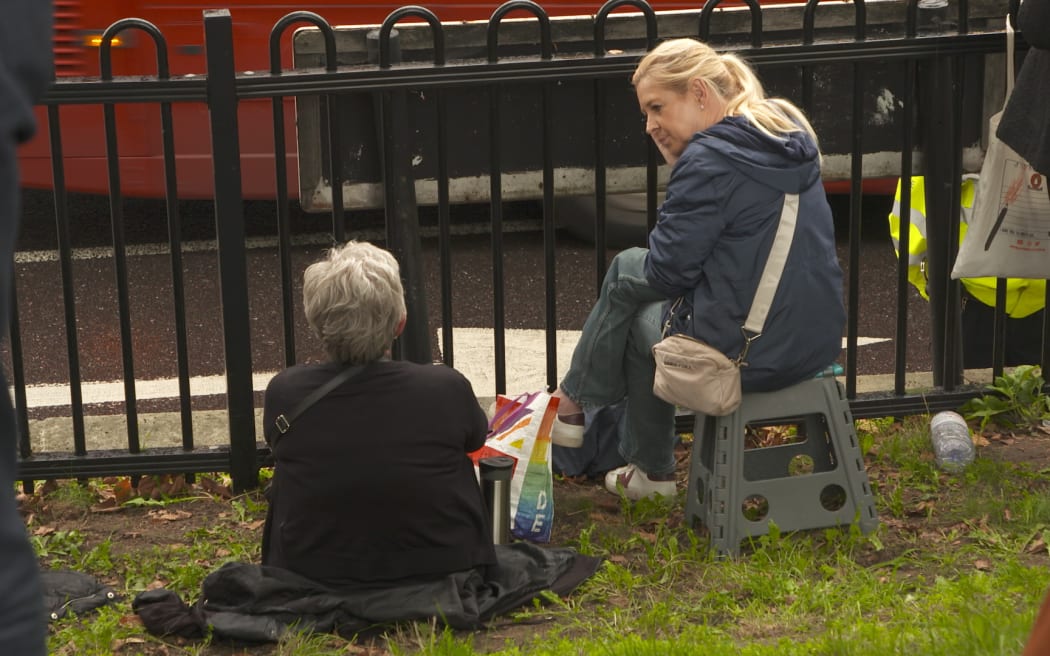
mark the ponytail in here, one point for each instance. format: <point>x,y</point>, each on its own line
<point>774,116</point>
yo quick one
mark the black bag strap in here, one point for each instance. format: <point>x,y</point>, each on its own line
<point>283,422</point>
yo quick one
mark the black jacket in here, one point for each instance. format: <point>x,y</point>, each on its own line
<point>373,483</point>
<point>244,602</point>
<point>1025,124</point>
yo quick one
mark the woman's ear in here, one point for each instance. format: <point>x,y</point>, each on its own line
<point>698,88</point>
<point>400,327</point>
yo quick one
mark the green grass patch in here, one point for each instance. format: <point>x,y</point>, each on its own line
<point>958,566</point>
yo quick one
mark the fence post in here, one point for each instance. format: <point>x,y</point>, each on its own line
<point>230,233</point>
<point>937,82</point>
<point>402,211</point>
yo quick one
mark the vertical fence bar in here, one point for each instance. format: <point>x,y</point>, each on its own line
<point>18,374</point>
<point>550,276</point>
<point>444,230</point>
<point>855,211</point>
<point>284,238</point>
<point>402,210</point>
<point>284,230</point>
<point>120,263</point>
<point>178,288</point>
<point>229,228</point>
<point>499,336</point>
<point>998,328</point>
<point>953,345</point>
<point>936,82</point>
<point>65,259</point>
<point>904,210</point>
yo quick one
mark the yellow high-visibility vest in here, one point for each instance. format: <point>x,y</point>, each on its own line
<point>1024,296</point>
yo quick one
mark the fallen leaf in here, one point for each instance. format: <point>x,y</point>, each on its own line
<point>982,565</point>
<point>211,486</point>
<point>256,525</point>
<point>1036,545</point>
<point>122,490</point>
<point>107,502</point>
<point>44,530</point>
<point>980,440</point>
<point>169,515</point>
<point>116,645</point>
<point>1007,515</point>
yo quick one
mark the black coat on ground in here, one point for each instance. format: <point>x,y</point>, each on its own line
<point>241,602</point>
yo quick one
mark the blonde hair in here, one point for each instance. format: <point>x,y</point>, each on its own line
<point>674,63</point>
<point>354,301</point>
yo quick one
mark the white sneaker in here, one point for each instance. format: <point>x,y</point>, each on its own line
<point>635,484</point>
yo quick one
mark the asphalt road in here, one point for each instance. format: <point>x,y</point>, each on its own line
<point>41,313</point>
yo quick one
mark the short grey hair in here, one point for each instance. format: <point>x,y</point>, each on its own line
<point>354,301</point>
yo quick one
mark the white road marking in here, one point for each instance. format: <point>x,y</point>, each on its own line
<point>473,352</point>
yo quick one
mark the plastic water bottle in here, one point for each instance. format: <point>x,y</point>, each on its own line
<point>953,447</point>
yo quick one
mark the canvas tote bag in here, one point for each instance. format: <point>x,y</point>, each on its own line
<point>521,430</point>
<point>1009,231</point>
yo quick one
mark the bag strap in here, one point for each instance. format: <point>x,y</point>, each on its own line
<point>1010,54</point>
<point>767,285</point>
<point>283,422</point>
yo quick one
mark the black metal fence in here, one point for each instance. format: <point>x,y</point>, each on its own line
<point>937,69</point>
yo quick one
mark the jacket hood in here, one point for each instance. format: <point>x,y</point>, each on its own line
<point>789,164</point>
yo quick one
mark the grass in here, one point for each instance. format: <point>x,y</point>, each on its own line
<point>958,566</point>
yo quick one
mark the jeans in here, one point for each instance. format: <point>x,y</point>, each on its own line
<point>613,361</point>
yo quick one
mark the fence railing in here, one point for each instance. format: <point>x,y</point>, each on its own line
<point>579,115</point>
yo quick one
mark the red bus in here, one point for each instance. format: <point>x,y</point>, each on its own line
<point>78,27</point>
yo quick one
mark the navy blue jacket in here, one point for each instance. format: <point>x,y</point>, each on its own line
<point>714,235</point>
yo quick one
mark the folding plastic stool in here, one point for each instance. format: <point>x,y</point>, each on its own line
<point>816,481</point>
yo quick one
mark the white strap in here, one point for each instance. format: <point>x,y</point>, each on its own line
<point>1010,38</point>
<point>767,286</point>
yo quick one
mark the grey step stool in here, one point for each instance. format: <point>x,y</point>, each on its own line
<point>816,482</point>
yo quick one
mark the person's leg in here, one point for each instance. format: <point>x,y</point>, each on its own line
<point>647,434</point>
<point>596,375</point>
<point>23,627</point>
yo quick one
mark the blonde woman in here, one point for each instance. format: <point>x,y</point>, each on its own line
<point>734,154</point>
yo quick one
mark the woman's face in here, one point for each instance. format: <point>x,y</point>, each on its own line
<point>672,118</point>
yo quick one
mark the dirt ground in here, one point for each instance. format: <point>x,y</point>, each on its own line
<point>580,502</point>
